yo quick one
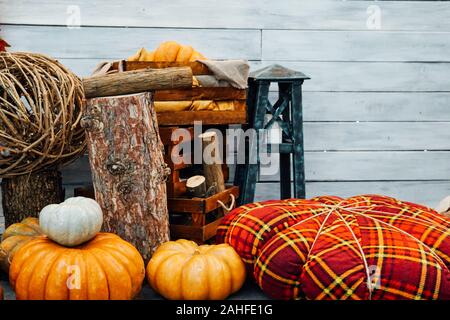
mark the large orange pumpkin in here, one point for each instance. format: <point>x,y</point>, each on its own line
<point>15,236</point>
<point>182,270</point>
<point>106,267</point>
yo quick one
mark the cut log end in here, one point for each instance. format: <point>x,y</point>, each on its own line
<point>196,186</point>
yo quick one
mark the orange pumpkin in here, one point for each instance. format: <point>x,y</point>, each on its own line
<point>105,267</point>
<point>169,51</point>
<point>15,236</point>
<point>182,270</point>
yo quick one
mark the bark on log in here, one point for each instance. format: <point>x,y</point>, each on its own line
<point>128,169</point>
<point>196,186</point>
<point>25,196</point>
<point>137,81</point>
<point>212,163</point>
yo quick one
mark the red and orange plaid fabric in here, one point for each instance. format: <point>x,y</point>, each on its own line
<point>364,247</point>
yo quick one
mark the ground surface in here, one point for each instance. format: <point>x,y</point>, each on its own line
<point>250,291</point>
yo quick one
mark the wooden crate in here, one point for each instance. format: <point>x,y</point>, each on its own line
<point>203,215</point>
<point>176,185</point>
<point>238,116</point>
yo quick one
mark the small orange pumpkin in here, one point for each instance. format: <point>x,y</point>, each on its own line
<point>169,51</point>
<point>182,270</point>
<point>15,236</point>
<point>103,268</point>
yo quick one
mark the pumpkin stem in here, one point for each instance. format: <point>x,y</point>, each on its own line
<point>196,251</point>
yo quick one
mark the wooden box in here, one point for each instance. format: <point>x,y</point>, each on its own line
<point>191,218</point>
<point>237,116</point>
<point>176,185</point>
<point>197,219</point>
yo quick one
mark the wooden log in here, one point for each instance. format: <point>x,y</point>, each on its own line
<point>25,195</point>
<point>212,162</point>
<point>128,169</point>
<point>196,186</point>
<point>137,81</point>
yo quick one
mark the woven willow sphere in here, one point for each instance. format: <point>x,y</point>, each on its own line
<point>40,111</point>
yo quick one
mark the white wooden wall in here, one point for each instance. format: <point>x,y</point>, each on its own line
<point>378,101</point>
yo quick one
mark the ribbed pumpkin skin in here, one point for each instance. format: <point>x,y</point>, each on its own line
<point>72,222</point>
<point>109,268</point>
<point>169,51</point>
<point>15,237</point>
<point>182,270</point>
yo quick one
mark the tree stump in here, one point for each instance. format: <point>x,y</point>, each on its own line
<point>128,169</point>
<point>25,195</point>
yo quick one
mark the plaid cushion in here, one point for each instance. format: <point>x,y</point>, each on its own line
<point>364,247</point>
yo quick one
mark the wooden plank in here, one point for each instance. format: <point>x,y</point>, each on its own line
<point>201,205</point>
<point>197,67</point>
<point>282,14</point>
<point>375,106</point>
<point>211,93</point>
<point>178,231</point>
<point>423,192</point>
<point>370,76</point>
<point>207,117</point>
<point>196,233</point>
<point>210,230</point>
<point>377,136</point>
<point>185,205</point>
<point>120,43</point>
<point>375,166</point>
<point>355,46</point>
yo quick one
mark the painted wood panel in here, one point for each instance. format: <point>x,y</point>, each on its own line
<point>424,192</point>
<point>371,76</point>
<point>377,136</point>
<point>120,43</point>
<point>355,45</point>
<point>344,76</point>
<point>366,166</point>
<point>375,106</point>
<point>259,14</point>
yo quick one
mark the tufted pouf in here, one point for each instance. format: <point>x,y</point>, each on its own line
<point>364,247</point>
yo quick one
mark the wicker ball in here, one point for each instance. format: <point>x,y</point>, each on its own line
<point>40,112</point>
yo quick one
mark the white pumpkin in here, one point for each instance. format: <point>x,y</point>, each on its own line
<point>71,222</point>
